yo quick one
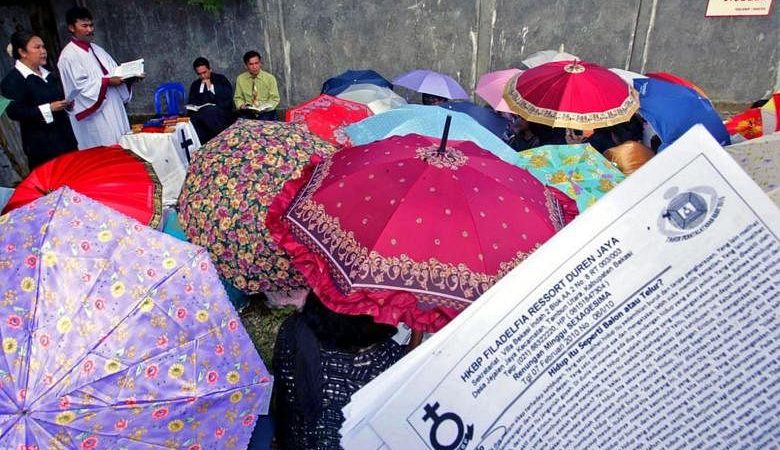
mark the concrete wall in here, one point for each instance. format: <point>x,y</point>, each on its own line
<point>306,41</point>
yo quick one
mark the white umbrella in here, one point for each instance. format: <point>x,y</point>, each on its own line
<point>379,99</point>
<point>627,75</point>
<point>545,56</point>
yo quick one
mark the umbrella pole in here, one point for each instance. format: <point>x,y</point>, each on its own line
<point>443,144</point>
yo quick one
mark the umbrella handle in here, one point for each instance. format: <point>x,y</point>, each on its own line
<point>414,341</point>
<point>443,144</point>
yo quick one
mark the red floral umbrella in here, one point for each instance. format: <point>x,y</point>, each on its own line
<point>115,177</point>
<point>326,115</point>
<point>571,94</point>
<point>405,232</point>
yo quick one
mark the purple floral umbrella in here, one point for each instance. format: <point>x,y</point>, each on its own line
<point>117,336</point>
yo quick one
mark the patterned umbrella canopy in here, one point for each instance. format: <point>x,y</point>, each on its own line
<point>326,116</point>
<point>111,175</point>
<point>226,194</point>
<point>571,94</point>
<point>578,170</point>
<point>403,232</point>
<point>116,336</point>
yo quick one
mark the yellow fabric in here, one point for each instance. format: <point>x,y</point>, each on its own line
<point>629,156</point>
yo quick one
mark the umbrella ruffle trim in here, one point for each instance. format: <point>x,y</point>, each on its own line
<point>384,305</point>
<point>563,209</point>
<point>567,119</point>
<point>355,266</point>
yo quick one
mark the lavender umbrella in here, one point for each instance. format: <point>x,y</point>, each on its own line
<point>430,82</point>
<point>117,336</point>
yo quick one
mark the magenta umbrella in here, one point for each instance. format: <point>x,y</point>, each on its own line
<point>490,88</point>
<point>430,82</point>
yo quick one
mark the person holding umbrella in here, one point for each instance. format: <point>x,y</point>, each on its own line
<point>622,145</point>
<point>38,102</point>
<point>431,99</point>
<point>518,133</point>
<point>320,359</point>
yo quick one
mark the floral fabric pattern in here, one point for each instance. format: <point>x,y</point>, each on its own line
<point>226,194</point>
<point>326,116</point>
<point>578,170</point>
<point>116,336</point>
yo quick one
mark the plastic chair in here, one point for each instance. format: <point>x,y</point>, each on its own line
<point>172,92</point>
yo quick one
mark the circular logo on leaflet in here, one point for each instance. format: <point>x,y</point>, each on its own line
<point>686,211</point>
<point>689,213</point>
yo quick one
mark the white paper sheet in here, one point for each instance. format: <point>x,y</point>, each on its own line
<point>650,321</point>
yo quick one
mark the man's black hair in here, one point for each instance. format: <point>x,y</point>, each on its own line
<point>76,13</point>
<point>200,61</point>
<point>251,54</point>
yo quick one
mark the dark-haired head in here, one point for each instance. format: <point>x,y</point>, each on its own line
<point>343,331</point>
<point>431,99</point>
<point>19,41</point>
<point>251,54</point>
<point>77,13</point>
<point>200,62</point>
<point>548,135</point>
<point>80,23</point>
<point>759,103</point>
<point>608,137</point>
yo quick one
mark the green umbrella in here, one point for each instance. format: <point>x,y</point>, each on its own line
<point>578,170</point>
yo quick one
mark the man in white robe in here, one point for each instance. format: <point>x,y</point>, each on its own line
<point>98,116</point>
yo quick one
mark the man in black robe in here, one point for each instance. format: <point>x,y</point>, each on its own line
<point>210,103</point>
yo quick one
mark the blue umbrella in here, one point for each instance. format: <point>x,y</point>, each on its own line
<point>428,121</point>
<point>672,109</point>
<point>486,117</point>
<point>339,83</point>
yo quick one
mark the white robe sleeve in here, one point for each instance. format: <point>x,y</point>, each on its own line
<point>111,66</point>
<point>81,82</point>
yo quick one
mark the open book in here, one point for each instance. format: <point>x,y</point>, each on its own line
<point>130,69</point>
<point>198,107</point>
<point>262,106</point>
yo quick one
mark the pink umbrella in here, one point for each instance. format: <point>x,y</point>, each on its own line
<point>490,88</point>
<point>412,228</point>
